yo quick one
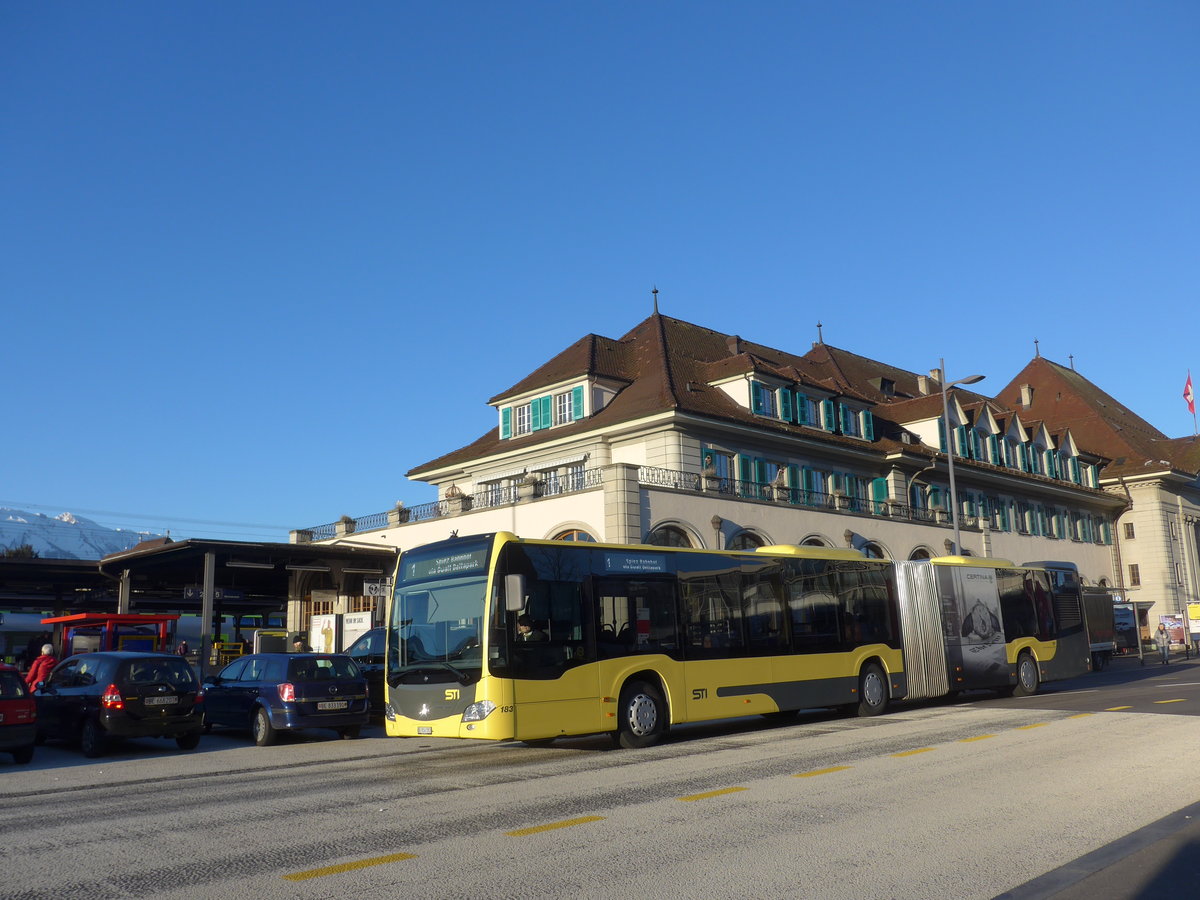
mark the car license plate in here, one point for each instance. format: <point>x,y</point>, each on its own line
<point>161,701</point>
<point>333,704</point>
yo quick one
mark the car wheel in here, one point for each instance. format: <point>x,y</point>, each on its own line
<point>872,691</point>
<point>188,741</point>
<point>349,732</point>
<point>264,732</point>
<point>23,755</point>
<point>91,739</point>
<point>641,716</point>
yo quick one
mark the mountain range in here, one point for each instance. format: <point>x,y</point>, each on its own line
<point>65,536</point>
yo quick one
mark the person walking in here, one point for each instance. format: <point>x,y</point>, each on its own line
<point>41,667</point>
<point>1163,641</point>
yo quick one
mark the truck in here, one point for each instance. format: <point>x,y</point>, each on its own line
<point>1102,632</point>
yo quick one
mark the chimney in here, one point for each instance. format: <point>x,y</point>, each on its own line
<point>734,343</point>
<point>1026,396</point>
<point>923,385</point>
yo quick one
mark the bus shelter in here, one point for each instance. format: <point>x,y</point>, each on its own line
<point>88,632</point>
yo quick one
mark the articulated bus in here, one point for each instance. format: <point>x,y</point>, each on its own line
<point>496,637</point>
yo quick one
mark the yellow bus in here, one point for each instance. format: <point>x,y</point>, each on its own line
<point>501,638</point>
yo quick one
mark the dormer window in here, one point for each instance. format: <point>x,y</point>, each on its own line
<point>542,412</point>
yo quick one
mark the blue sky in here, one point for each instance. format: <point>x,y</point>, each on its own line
<point>261,259</point>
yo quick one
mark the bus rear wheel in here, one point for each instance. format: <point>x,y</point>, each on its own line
<point>1027,677</point>
<point>872,691</point>
<point>641,716</point>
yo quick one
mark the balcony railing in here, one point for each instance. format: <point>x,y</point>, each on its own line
<point>552,485</point>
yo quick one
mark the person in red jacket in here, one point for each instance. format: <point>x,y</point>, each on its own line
<point>41,667</point>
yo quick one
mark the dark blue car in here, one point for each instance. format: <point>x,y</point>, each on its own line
<point>273,692</point>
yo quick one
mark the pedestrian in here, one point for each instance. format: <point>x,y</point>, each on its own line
<point>41,667</point>
<point>182,648</point>
<point>1162,640</point>
<point>299,645</point>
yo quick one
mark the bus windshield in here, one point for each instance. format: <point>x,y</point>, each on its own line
<point>437,612</point>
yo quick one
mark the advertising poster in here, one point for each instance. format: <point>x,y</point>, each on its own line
<point>1174,628</point>
<point>354,626</point>
<point>322,632</point>
<point>1126,626</point>
<point>1193,610</point>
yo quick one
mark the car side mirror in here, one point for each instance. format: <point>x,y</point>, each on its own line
<point>211,679</point>
<point>514,592</point>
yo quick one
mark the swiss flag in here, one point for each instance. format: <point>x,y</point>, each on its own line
<point>1189,396</point>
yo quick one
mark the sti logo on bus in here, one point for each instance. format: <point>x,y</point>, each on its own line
<point>453,694</point>
<point>700,694</point>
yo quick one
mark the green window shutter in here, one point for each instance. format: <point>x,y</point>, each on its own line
<point>935,497</point>
<point>810,480</point>
<point>868,421</point>
<point>756,398</point>
<point>541,413</point>
<point>785,404</point>
<point>960,437</point>
<point>1076,471</point>
<point>506,422</point>
<point>879,493</point>
<point>942,435</point>
<point>1023,453</point>
<point>801,409</point>
<point>794,476</point>
<point>760,471</point>
<point>844,418</point>
<point>577,402</point>
<point>830,415</point>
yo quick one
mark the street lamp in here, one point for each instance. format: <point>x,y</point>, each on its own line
<point>946,385</point>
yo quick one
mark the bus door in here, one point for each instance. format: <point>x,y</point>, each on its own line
<point>555,679</point>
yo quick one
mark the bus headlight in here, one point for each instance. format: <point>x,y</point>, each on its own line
<point>477,712</point>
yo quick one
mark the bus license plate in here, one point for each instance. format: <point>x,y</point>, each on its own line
<point>333,704</point>
<point>161,701</point>
<point>424,729</point>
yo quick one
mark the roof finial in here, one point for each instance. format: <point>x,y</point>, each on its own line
<point>1071,357</point>
<point>820,339</point>
<point>1036,350</point>
<point>654,291</point>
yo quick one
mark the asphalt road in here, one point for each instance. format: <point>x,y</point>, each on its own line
<point>1084,788</point>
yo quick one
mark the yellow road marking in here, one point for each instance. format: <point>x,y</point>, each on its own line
<point>349,867</point>
<point>828,771</point>
<point>566,823</point>
<point>982,737</point>
<point>914,752</point>
<point>1117,708</point>
<point>1180,700</point>
<point>707,794</point>
<point>1080,715</point>
<point>1034,725</point>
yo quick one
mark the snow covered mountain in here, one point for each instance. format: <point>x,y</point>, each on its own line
<point>64,536</point>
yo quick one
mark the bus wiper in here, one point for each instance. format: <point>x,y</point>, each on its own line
<point>459,675</point>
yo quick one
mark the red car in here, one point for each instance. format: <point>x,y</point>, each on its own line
<point>18,715</point>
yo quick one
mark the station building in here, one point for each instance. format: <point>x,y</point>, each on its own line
<point>676,434</point>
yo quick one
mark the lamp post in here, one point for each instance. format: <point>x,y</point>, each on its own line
<point>946,385</point>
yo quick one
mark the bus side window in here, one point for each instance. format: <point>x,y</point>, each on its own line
<point>814,608</point>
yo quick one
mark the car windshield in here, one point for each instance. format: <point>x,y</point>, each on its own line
<point>11,686</point>
<point>160,670</point>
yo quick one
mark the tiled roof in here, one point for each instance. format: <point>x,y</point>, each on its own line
<point>1062,398</point>
<point>667,364</point>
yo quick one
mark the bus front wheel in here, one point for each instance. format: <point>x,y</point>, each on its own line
<point>872,691</point>
<point>641,716</point>
<point>1027,677</point>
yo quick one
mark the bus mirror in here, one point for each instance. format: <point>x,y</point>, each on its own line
<point>514,592</point>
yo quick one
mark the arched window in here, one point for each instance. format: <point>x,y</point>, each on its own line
<point>872,550</point>
<point>668,536</point>
<point>919,553</point>
<point>574,534</point>
<point>813,542</point>
<point>746,540</point>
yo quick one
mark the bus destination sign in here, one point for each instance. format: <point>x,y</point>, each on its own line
<point>439,566</point>
<point>635,562</point>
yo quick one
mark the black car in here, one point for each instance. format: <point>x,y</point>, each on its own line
<point>367,653</point>
<point>94,698</point>
<point>273,692</point>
